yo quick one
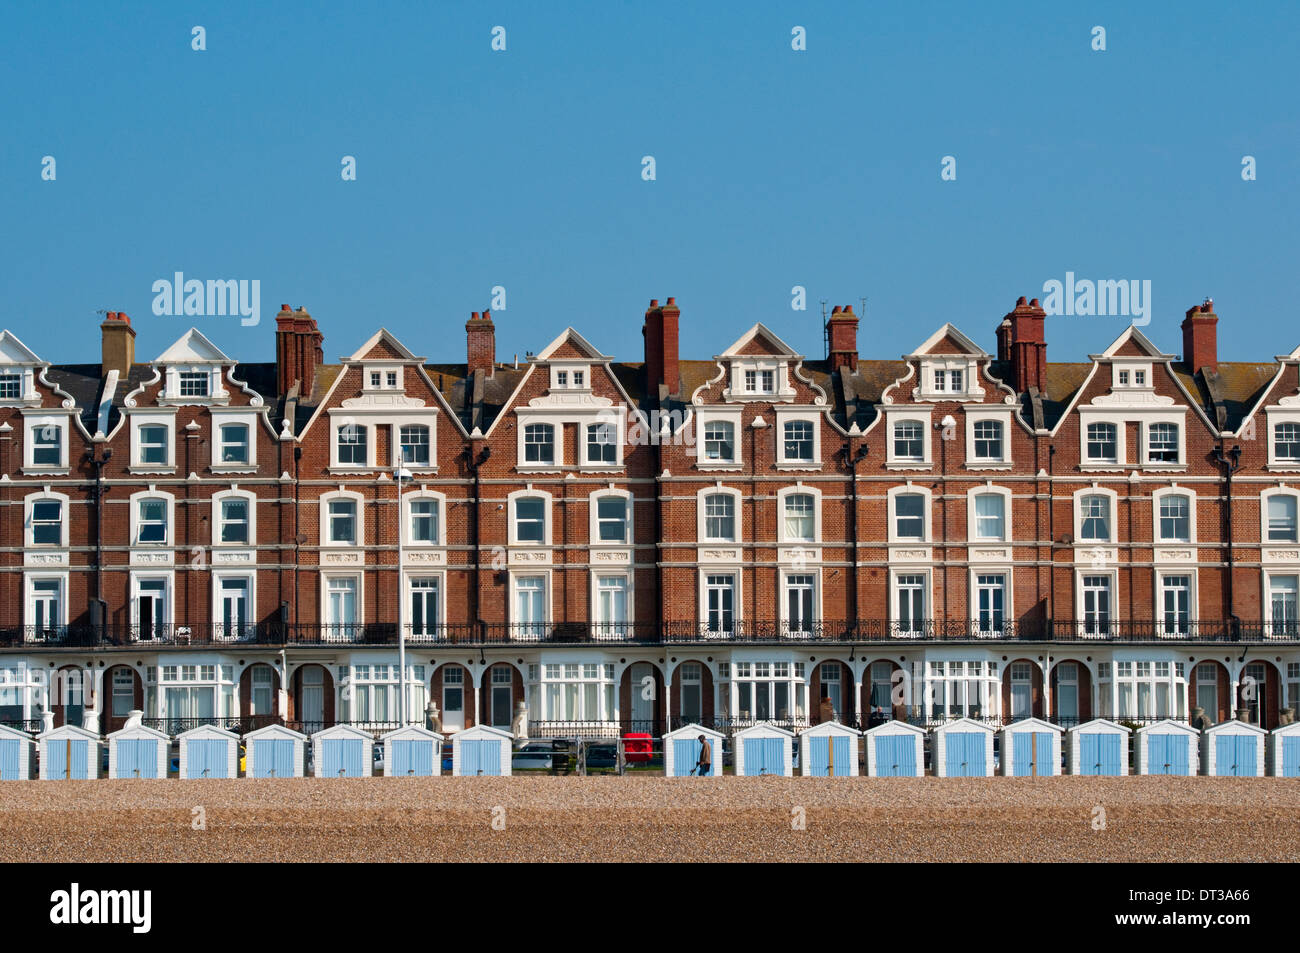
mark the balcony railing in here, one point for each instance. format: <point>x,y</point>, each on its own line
<point>593,633</point>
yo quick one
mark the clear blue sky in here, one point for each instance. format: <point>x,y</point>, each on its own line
<point>523,168</point>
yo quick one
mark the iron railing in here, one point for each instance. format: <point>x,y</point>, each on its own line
<point>672,632</point>
<point>552,728</point>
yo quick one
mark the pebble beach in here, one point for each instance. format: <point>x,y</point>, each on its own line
<point>1153,819</point>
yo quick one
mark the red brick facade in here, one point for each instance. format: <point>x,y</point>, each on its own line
<point>974,520</point>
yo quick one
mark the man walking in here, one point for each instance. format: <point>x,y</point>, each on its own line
<point>706,757</point>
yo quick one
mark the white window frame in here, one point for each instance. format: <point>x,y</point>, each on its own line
<point>737,596</point>
<point>777,366</point>
<point>1193,599</point>
<point>799,489</point>
<point>1173,490</point>
<point>1112,573</point>
<point>812,418</point>
<point>702,520</point>
<point>359,578</point>
<point>408,592</point>
<point>408,518</point>
<point>1275,416</point>
<point>783,595</point>
<point>139,421</point>
<point>1121,451</point>
<point>399,460</point>
<point>927,383</point>
<point>220,576</point>
<point>927,599</point>
<point>29,596</point>
<point>1008,597</point>
<point>336,425</point>
<point>606,628</point>
<point>358,526</point>
<point>972,524</point>
<point>593,514</point>
<point>616,423</point>
<point>557,445</point>
<point>576,379</point>
<point>1180,428</point>
<point>705,417</point>
<point>29,525</point>
<point>34,422</point>
<point>221,465</point>
<point>1264,497</point>
<point>548,612</point>
<point>1113,517</point>
<point>927,514</point>
<point>547,516</point>
<point>218,521</point>
<point>974,417</point>
<point>383,370</point>
<point>909,415</point>
<point>168,579</point>
<point>134,503</point>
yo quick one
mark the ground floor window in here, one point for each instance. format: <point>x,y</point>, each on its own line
<point>1067,693</point>
<point>123,690</point>
<point>1143,691</point>
<point>189,695</point>
<point>22,693</point>
<point>691,679</point>
<point>575,691</point>
<point>765,691</point>
<point>961,689</point>
<point>370,693</point>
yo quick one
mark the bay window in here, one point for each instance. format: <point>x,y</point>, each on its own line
<point>961,689</point>
<point>768,691</point>
<point>576,691</point>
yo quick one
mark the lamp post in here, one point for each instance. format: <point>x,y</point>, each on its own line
<point>400,474</point>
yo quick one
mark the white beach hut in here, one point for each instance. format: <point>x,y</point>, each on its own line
<point>413,751</point>
<point>1031,748</point>
<point>17,755</point>
<point>829,750</point>
<point>1284,751</point>
<point>962,748</point>
<point>1098,747</point>
<point>209,752</point>
<point>764,749</point>
<point>342,751</point>
<point>68,752</point>
<point>895,749</point>
<point>481,750</point>
<point>1167,747</point>
<point>274,752</point>
<point>1233,749</point>
<point>682,751</point>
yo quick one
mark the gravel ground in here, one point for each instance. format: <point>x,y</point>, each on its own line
<point>653,818</point>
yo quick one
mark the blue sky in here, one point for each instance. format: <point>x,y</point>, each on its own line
<point>522,168</point>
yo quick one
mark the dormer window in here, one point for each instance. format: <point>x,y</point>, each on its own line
<point>949,382</point>
<point>1123,378</point>
<point>374,379</point>
<point>392,378</point>
<point>760,382</point>
<point>1139,378</point>
<point>194,383</point>
<point>568,377</point>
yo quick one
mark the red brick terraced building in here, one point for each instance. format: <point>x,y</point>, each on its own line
<point>602,546</point>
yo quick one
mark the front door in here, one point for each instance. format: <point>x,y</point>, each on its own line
<point>643,705</point>
<point>453,698</point>
<point>501,696</point>
<point>312,704</point>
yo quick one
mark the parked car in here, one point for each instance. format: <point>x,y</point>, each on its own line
<point>602,756</point>
<point>533,756</point>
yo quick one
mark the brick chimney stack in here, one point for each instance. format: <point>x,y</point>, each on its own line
<point>480,343</point>
<point>1028,345</point>
<point>1201,338</point>
<point>663,374</point>
<point>117,344</point>
<point>299,350</point>
<point>1004,341</point>
<point>843,329</point>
